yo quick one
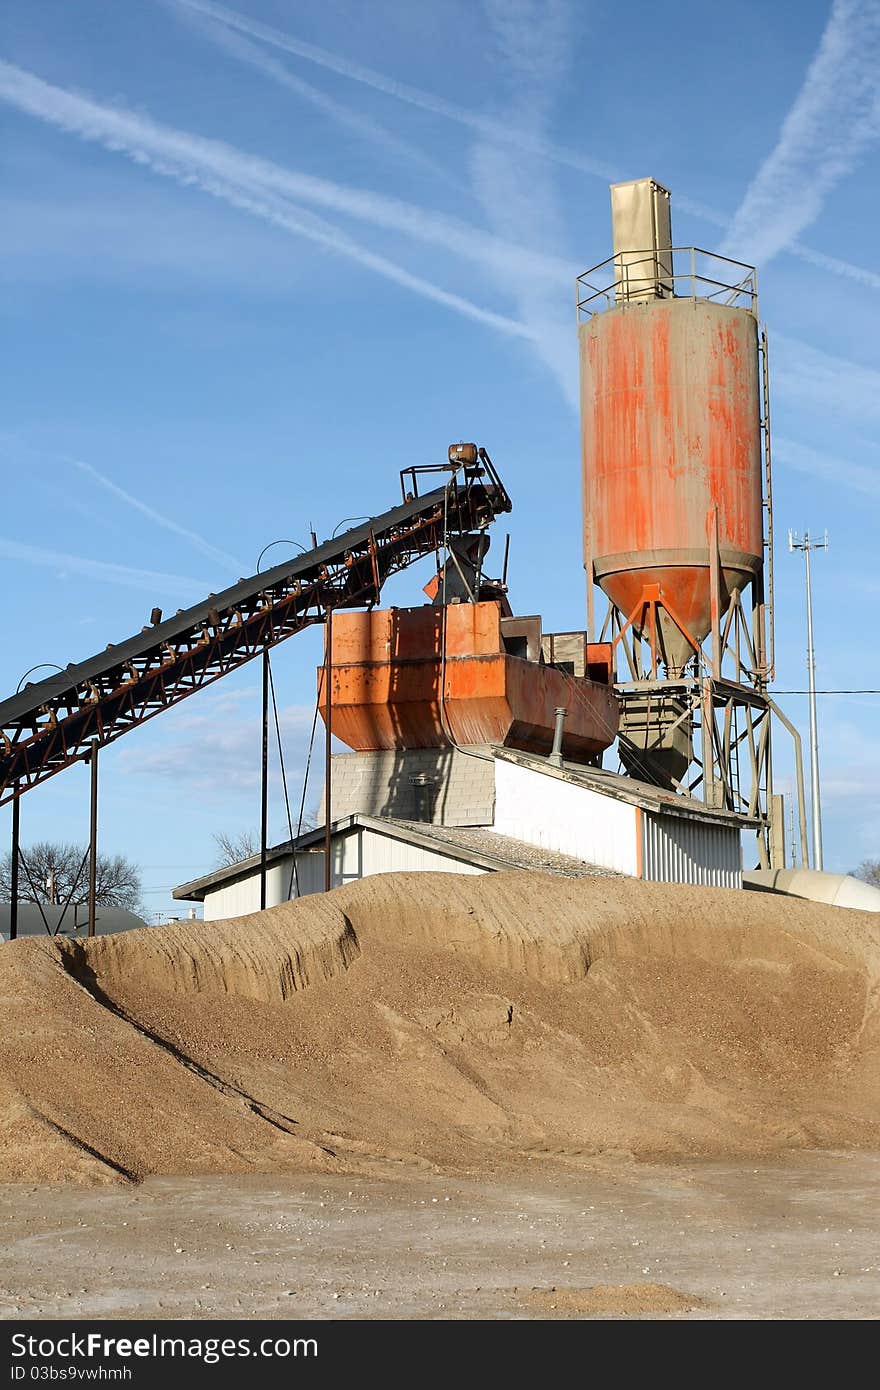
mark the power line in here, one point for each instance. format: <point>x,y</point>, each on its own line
<point>826,692</point>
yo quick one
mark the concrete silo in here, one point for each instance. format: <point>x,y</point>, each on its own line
<point>678,508</point>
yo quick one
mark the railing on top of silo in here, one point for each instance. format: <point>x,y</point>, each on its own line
<point>677,272</point>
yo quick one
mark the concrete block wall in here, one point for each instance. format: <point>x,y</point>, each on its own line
<point>459,789</point>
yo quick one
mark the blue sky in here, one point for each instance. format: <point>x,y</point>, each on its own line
<point>257,260</point>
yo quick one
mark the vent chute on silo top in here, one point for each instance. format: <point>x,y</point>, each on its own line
<point>641,223</point>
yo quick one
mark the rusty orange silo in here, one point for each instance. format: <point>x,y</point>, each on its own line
<point>671,428</point>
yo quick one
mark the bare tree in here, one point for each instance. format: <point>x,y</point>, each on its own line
<point>52,873</point>
<point>869,870</point>
<point>231,849</point>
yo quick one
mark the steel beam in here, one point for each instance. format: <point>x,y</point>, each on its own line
<point>264,781</point>
<point>328,739</point>
<point>14,865</point>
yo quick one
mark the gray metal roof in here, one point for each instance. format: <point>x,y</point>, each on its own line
<point>622,788</point>
<point>30,921</point>
<point>484,847</point>
<point>479,846</point>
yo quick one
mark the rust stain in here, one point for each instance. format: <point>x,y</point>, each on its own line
<point>670,398</point>
<point>386,670</point>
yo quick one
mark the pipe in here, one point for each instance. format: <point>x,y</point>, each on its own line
<point>93,840</point>
<point>715,591</point>
<point>707,744</point>
<point>814,723</point>
<point>13,885</point>
<point>422,799</point>
<point>799,773</point>
<point>556,752</point>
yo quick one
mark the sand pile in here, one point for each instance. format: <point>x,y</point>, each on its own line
<point>619,1298</point>
<point>422,1020</point>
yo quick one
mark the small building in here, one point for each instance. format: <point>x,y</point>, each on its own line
<point>481,810</point>
<point>46,920</point>
<point>629,826</point>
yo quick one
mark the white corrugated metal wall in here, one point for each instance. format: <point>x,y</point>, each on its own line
<point>678,850</point>
<point>554,814</point>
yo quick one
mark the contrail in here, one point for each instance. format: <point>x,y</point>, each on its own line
<point>869,278</point>
<point>228,561</point>
<point>834,120</point>
<point>248,182</point>
<point>511,134</point>
<point>355,122</point>
<point>151,580</point>
<point>306,224</point>
<point>401,91</point>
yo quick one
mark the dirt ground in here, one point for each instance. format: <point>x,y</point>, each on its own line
<point>792,1238</point>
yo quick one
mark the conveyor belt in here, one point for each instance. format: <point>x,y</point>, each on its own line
<point>54,723</point>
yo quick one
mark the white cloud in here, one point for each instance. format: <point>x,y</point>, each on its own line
<point>830,469</point>
<point>822,381</point>
<point>834,120</point>
<point>85,231</point>
<point>515,190</point>
<point>213,748</point>
<point>850,766</point>
<point>262,189</point>
<point>106,571</point>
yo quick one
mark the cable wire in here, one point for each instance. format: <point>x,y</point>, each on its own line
<point>281,761</point>
<point>302,805</point>
<point>826,692</point>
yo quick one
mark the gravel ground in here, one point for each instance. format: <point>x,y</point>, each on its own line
<point>510,853</point>
<point>791,1239</point>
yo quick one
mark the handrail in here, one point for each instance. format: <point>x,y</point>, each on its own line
<point>656,273</point>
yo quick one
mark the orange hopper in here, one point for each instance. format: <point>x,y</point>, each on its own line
<point>393,686</point>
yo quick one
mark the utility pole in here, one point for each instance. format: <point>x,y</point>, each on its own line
<point>807,545</point>
<point>93,840</point>
<point>264,781</point>
<point>16,859</point>
<point>328,765</point>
